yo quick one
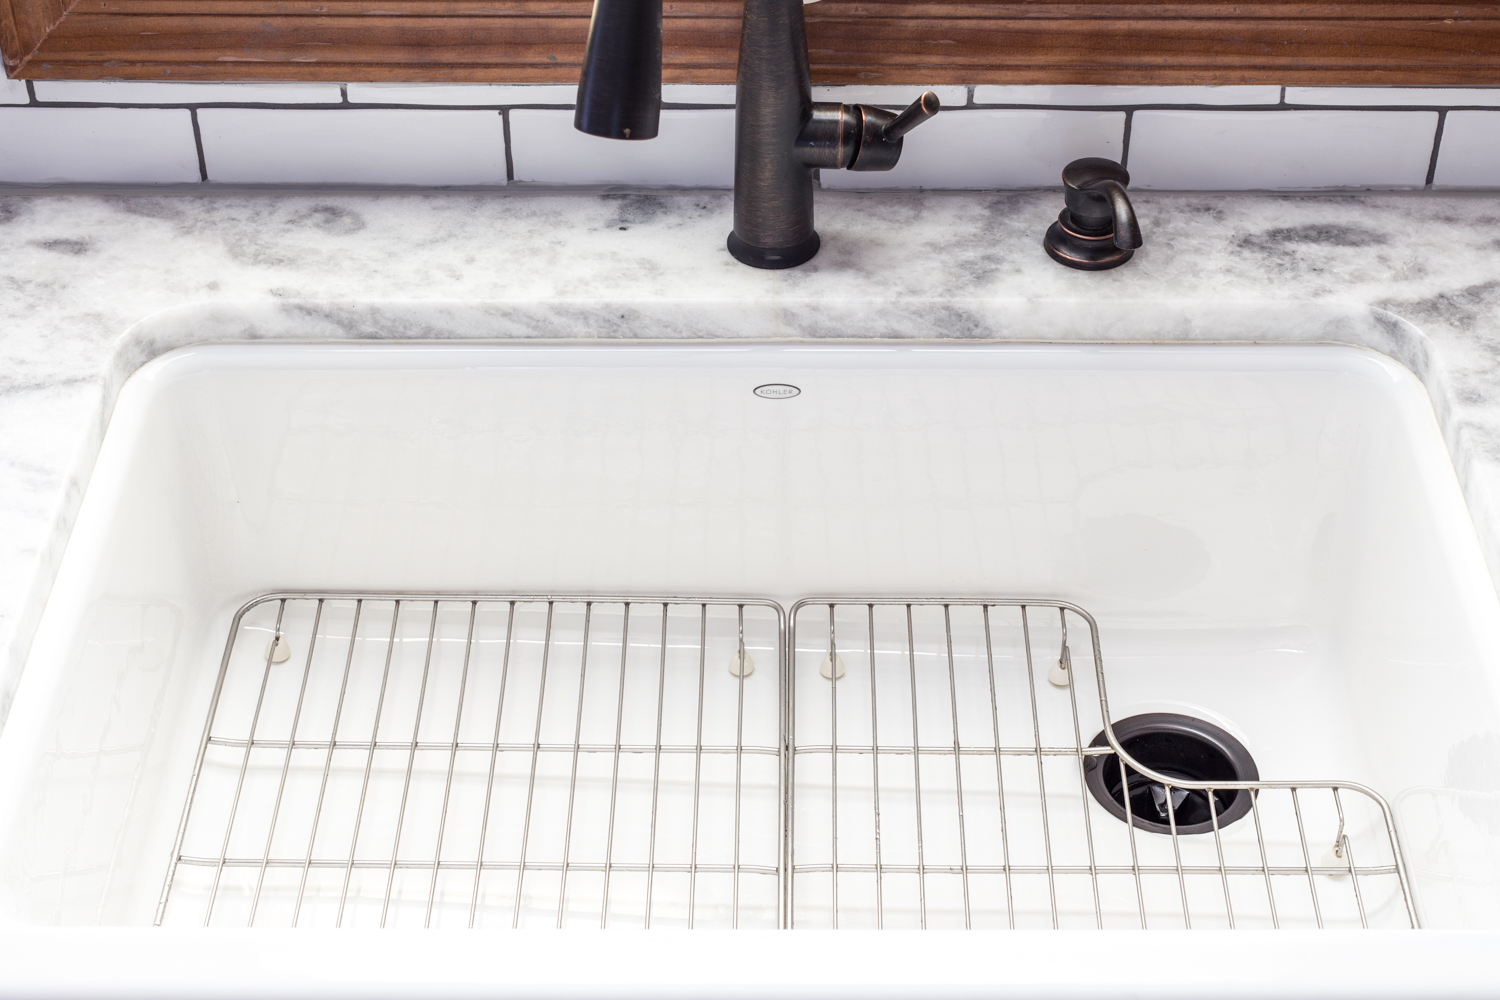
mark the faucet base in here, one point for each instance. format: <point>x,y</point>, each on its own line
<point>773,258</point>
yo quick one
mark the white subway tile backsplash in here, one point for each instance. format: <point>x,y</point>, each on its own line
<point>890,96</point>
<point>1085,96</point>
<point>692,149</point>
<point>440,134</point>
<point>697,93</point>
<point>1280,150</point>
<point>993,149</point>
<point>459,94</point>
<point>97,145</point>
<point>152,92</point>
<point>1366,97</point>
<point>353,146</point>
<point>1470,152</point>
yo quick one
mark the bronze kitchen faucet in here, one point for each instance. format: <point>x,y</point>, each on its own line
<point>781,134</point>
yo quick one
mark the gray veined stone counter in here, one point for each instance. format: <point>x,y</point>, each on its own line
<point>92,285</point>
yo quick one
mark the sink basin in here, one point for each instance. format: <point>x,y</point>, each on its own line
<point>308,579</point>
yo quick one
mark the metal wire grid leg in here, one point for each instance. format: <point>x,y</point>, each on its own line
<point>420,733</point>
<point>978,689</point>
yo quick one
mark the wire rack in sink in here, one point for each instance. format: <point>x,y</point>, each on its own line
<point>439,760</point>
<point>940,779</point>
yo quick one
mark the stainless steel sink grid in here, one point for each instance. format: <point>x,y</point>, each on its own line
<point>939,782</point>
<point>508,761</point>
<point>440,761</point>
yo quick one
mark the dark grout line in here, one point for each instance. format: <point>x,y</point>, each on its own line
<point>344,92</point>
<point>1128,108</point>
<point>1437,144</point>
<point>1282,101</point>
<point>30,92</point>
<point>189,107</point>
<point>528,189</point>
<point>1125,141</point>
<point>510,164</point>
<point>1125,108</point>
<point>1439,108</point>
<point>198,144</point>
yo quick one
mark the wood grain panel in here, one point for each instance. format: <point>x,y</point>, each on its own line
<point>901,9</point>
<point>25,24</point>
<point>850,41</point>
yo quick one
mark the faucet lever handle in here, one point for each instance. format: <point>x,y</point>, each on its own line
<point>880,131</point>
<point>857,136</point>
<point>916,113</point>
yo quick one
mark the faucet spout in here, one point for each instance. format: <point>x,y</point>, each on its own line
<point>619,88</point>
<point>1127,230</point>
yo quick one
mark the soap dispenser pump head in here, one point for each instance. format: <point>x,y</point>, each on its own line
<point>619,89</point>
<point>1094,191</point>
<point>1098,229</point>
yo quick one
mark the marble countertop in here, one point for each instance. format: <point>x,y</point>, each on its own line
<point>94,284</point>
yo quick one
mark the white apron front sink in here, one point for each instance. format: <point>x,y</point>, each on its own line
<point>541,662</point>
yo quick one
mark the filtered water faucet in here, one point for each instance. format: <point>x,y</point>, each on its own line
<point>781,134</point>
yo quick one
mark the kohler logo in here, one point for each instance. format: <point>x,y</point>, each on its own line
<point>777,390</point>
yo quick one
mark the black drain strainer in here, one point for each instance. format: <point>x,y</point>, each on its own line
<point>1178,746</point>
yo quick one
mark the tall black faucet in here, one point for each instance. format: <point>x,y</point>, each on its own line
<point>781,135</point>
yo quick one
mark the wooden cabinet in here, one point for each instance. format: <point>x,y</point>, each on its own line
<point>851,41</point>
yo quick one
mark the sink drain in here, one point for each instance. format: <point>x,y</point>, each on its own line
<point>1178,746</point>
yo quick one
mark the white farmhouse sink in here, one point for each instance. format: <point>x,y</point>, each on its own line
<point>514,587</point>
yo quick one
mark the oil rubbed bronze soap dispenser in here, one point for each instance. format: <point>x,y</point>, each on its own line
<point>1097,230</point>
<point>781,136</point>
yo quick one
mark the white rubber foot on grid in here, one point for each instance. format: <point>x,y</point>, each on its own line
<point>1331,859</point>
<point>827,667</point>
<point>279,650</point>
<point>740,664</point>
<point>1060,675</point>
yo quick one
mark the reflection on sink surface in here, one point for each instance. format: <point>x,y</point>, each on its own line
<point>1271,538</point>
